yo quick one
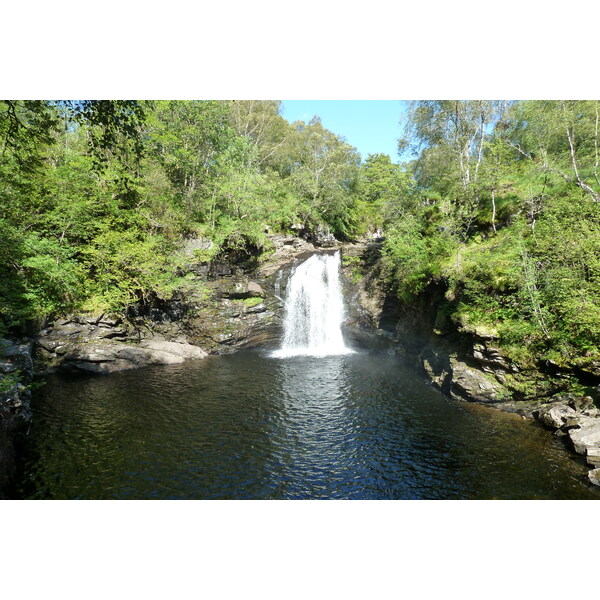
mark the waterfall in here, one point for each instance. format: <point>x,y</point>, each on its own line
<point>314,309</point>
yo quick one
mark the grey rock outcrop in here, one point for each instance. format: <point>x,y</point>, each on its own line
<point>587,435</point>
<point>103,344</point>
<point>108,357</point>
<point>579,420</point>
<point>557,416</point>
<point>323,238</point>
<point>16,372</point>
<point>459,379</point>
<point>471,382</point>
<point>288,249</point>
<point>594,476</point>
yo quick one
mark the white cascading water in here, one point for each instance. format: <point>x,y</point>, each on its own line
<point>314,309</point>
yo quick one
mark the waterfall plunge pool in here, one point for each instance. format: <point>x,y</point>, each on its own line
<point>249,425</point>
<point>314,419</point>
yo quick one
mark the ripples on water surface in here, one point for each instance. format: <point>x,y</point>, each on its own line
<point>250,426</point>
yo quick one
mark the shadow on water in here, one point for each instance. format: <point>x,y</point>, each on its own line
<point>250,426</point>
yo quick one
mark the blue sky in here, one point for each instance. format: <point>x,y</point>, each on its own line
<point>371,126</point>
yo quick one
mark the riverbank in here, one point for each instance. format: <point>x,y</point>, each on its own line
<point>470,363</point>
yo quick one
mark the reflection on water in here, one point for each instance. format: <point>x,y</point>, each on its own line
<point>251,426</point>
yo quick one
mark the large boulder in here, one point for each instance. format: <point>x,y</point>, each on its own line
<point>557,416</point>
<point>99,344</point>
<point>587,436</point>
<point>109,357</point>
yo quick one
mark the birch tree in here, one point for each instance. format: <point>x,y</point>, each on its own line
<point>451,136</point>
<point>561,137</point>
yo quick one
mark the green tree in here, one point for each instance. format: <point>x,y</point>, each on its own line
<point>186,138</point>
<point>560,138</point>
<point>325,176</point>
<point>452,136</point>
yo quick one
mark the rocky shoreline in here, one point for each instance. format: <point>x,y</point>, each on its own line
<point>219,312</point>
<point>470,365</point>
<point>224,307</point>
<point>16,375</point>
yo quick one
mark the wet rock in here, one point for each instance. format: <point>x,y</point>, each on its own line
<point>587,436</point>
<point>592,457</point>
<point>105,344</point>
<point>557,416</point>
<point>594,476</point>
<point>436,365</point>
<point>110,357</point>
<point>102,368</point>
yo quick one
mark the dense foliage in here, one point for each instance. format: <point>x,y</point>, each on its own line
<point>99,199</point>
<point>505,210</point>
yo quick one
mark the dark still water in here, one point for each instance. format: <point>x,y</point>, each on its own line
<point>250,426</point>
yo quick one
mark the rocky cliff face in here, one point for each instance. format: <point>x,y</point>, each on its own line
<point>466,363</point>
